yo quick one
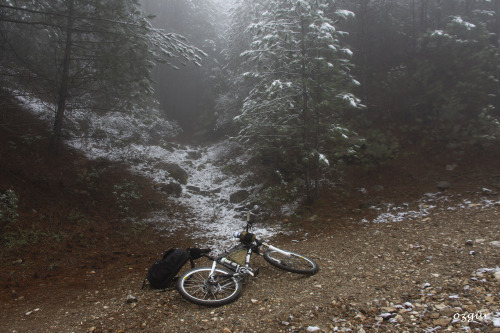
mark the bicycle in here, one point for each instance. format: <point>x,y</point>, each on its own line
<point>216,286</point>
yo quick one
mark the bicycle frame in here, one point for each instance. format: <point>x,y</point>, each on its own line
<point>242,270</point>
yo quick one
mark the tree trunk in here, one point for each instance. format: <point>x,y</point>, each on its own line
<point>305,114</point>
<point>64,84</point>
<point>364,49</point>
<point>497,44</point>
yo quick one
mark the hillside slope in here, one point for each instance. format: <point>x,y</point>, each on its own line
<point>70,259</point>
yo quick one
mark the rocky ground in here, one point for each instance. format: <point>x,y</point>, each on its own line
<point>439,272</point>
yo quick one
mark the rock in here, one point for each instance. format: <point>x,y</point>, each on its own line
<point>451,167</point>
<point>216,190</point>
<point>469,242</point>
<point>194,189</point>
<point>387,315</point>
<point>390,309</point>
<point>313,329</point>
<point>495,243</point>
<point>497,275</point>
<point>193,155</point>
<point>378,188</point>
<point>239,196</point>
<point>175,171</point>
<point>443,322</point>
<point>131,299</point>
<point>435,315</point>
<point>443,185</point>
<point>30,312</point>
<point>487,191</point>
<point>173,189</point>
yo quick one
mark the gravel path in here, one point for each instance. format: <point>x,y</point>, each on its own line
<point>439,273</point>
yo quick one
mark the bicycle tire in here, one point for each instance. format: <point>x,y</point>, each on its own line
<point>295,263</point>
<point>194,286</point>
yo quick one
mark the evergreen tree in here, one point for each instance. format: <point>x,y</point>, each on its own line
<point>94,54</point>
<point>452,81</point>
<point>303,82</point>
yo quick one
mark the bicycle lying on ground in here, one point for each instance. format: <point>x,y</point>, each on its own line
<point>215,286</point>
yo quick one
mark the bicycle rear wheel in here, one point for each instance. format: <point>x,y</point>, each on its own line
<point>293,262</point>
<point>198,287</point>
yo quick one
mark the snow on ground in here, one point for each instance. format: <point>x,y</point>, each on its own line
<point>423,207</point>
<point>211,216</point>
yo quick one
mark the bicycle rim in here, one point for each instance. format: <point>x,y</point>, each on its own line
<point>196,286</point>
<point>295,263</point>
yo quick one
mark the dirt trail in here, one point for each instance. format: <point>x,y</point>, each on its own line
<point>413,276</point>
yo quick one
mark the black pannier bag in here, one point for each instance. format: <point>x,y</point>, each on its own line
<point>163,271</point>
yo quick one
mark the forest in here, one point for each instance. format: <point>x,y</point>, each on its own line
<point>362,134</point>
<point>305,86</point>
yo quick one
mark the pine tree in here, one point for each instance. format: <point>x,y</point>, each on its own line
<point>302,83</point>
<point>95,54</point>
<point>452,82</point>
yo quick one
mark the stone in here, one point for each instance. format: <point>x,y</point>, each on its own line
<point>131,299</point>
<point>174,171</point>
<point>435,315</point>
<point>443,185</point>
<point>390,309</point>
<point>469,242</point>
<point>443,322</point>
<point>440,306</point>
<point>449,312</point>
<point>239,196</point>
<point>495,243</point>
<point>173,189</point>
<point>451,167</point>
<point>497,275</point>
<point>193,155</point>
<point>194,189</point>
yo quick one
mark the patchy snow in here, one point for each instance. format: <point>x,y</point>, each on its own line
<point>468,25</point>
<point>424,206</point>
<point>345,13</point>
<point>323,159</point>
<point>212,218</point>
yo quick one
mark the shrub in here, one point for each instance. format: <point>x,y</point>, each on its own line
<point>8,208</point>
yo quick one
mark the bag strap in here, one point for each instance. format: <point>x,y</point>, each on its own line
<point>191,261</point>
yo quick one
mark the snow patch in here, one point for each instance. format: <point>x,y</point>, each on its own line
<point>212,218</point>
<point>429,202</point>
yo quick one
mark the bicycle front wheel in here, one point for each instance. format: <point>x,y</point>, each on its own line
<point>291,262</point>
<point>197,286</point>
